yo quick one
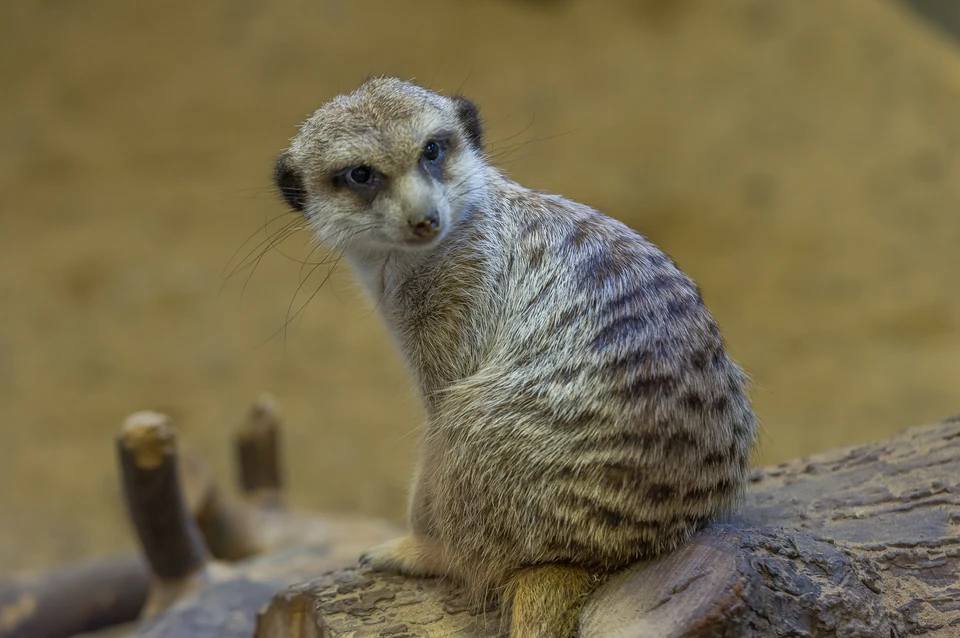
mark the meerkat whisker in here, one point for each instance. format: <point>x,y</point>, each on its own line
<point>276,239</point>
<point>290,317</point>
<point>248,240</point>
<point>264,245</point>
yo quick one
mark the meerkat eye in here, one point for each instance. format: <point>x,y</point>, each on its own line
<point>360,175</point>
<point>432,151</point>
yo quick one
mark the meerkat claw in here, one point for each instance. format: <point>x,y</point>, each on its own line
<point>404,555</point>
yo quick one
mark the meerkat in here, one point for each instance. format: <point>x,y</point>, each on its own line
<point>581,411</point>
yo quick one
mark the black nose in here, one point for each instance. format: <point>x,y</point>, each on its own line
<point>289,183</point>
<point>426,226</point>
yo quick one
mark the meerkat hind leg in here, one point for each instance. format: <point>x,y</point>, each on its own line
<point>408,555</point>
<point>545,601</point>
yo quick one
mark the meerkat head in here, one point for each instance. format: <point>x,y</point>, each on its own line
<point>391,165</point>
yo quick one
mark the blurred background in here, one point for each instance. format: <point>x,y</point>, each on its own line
<point>800,159</point>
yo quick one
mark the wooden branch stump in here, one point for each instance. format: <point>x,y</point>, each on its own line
<point>257,443</point>
<point>169,537</point>
<point>229,527</point>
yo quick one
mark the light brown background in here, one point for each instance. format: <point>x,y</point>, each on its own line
<point>799,159</point>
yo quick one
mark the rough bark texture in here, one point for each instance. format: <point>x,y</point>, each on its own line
<point>857,542</point>
<point>892,506</point>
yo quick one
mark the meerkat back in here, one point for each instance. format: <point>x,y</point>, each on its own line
<point>581,410</point>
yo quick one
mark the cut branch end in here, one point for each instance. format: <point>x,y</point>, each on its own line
<point>168,534</point>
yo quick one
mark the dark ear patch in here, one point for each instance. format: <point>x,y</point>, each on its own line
<point>469,117</point>
<point>289,183</point>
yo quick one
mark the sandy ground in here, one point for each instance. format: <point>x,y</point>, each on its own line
<point>799,159</point>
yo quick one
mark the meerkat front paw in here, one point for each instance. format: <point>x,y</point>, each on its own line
<point>408,556</point>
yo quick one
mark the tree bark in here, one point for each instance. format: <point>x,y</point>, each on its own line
<point>856,542</point>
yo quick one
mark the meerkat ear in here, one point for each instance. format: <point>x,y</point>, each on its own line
<point>289,183</point>
<point>469,116</point>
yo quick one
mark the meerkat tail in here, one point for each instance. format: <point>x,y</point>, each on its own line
<point>545,601</point>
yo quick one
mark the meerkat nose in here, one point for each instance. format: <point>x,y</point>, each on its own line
<point>426,226</point>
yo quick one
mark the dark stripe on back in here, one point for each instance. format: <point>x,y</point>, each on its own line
<point>644,291</point>
<point>624,362</point>
<point>600,268</point>
<point>646,386</point>
<point>639,441</point>
<point>713,459</point>
<point>535,257</point>
<point>566,374</point>
<point>722,488</point>
<point>685,307</point>
<point>657,259</point>
<point>659,493</point>
<point>681,441</point>
<point>528,226</point>
<point>567,318</point>
<point>719,360</point>
<point>619,332</point>
<point>578,236</point>
<point>606,515</point>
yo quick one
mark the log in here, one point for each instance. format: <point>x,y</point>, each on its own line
<point>73,599</point>
<point>861,541</point>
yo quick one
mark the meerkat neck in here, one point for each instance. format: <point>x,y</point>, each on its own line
<point>440,305</point>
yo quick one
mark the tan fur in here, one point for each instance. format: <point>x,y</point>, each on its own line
<point>546,600</point>
<point>581,412</point>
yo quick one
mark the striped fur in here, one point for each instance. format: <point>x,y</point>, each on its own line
<point>581,408</point>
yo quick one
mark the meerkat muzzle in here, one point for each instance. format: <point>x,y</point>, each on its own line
<point>425,227</point>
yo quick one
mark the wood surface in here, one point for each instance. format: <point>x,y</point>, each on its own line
<point>861,541</point>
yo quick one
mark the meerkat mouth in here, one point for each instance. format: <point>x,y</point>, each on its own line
<point>419,242</point>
